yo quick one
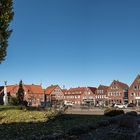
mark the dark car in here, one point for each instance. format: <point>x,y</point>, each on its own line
<point>131,105</point>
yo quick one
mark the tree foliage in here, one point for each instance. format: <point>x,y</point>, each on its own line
<point>20,93</point>
<point>6,16</point>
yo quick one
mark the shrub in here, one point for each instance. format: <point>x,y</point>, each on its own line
<point>13,101</point>
<point>113,112</point>
<point>25,103</point>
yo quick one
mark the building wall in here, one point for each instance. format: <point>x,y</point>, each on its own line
<point>134,92</point>
<point>101,95</point>
<point>79,96</point>
<point>115,94</point>
<point>55,97</point>
<point>72,98</point>
<point>88,96</point>
<point>34,99</point>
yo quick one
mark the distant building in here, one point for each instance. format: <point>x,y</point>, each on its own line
<point>54,95</point>
<point>33,94</point>
<point>80,95</point>
<point>134,91</point>
<point>117,92</point>
<point>101,95</point>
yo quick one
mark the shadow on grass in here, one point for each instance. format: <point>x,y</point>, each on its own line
<point>4,108</point>
<point>62,124</point>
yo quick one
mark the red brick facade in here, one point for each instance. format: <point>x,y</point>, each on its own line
<point>80,95</point>
<point>54,95</point>
<point>134,91</point>
<point>117,92</point>
<point>101,95</point>
<point>34,94</point>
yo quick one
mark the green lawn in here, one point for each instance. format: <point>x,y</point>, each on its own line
<point>23,123</point>
<point>14,114</point>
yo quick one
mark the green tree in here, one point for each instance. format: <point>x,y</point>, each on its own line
<point>6,16</point>
<point>20,93</point>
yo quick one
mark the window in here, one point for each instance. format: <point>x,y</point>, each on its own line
<point>132,94</point>
<point>135,87</point>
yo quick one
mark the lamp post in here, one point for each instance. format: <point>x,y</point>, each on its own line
<point>5,98</point>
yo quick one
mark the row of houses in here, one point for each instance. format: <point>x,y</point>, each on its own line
<point>117,92</point>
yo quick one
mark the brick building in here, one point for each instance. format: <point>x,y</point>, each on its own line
<point>101,95</point>
<point>117,92</point>
<point>54,95</point>
<point>134,91</point>
<point>80,95</point>
<point>33,94</point>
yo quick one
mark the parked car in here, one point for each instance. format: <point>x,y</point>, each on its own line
<point>68,103</point>
<point>120,106</point>
<point>131,105</point>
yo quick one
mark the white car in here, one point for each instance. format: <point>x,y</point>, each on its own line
<point>120,106</point>
<point>68,103</point>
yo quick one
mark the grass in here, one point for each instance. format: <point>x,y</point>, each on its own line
<point>16,123</point>
<point>11,114</point>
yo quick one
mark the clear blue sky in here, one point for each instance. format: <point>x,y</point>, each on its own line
<point>73,42</point>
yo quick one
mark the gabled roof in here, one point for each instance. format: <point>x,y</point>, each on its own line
<point>93,89</point>
<point>137,78</point>
<point>77,90</point>
<point>11,87</point>
<point>103,87</point>
<point>64,90</point>
<point>34,88</point>
<point>31,88</point>
<point>121,85</point>
<point>50,89</point>
<point>82,89</point>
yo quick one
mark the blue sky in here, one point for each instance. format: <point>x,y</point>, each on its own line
<point>73,42</point>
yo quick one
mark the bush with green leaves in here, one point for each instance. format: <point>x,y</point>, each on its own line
<point>13,101</point>
<point>113,112</point>
<point>6,16</point>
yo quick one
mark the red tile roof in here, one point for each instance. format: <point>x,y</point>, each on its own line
<point>64,90</point>
<point>11,87</point>
<point>93,89</point>
<point>34,88</point>
<point>103,87</point>
<point>82,89</point>
<point>50,89</point>
<point>77,90</point>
